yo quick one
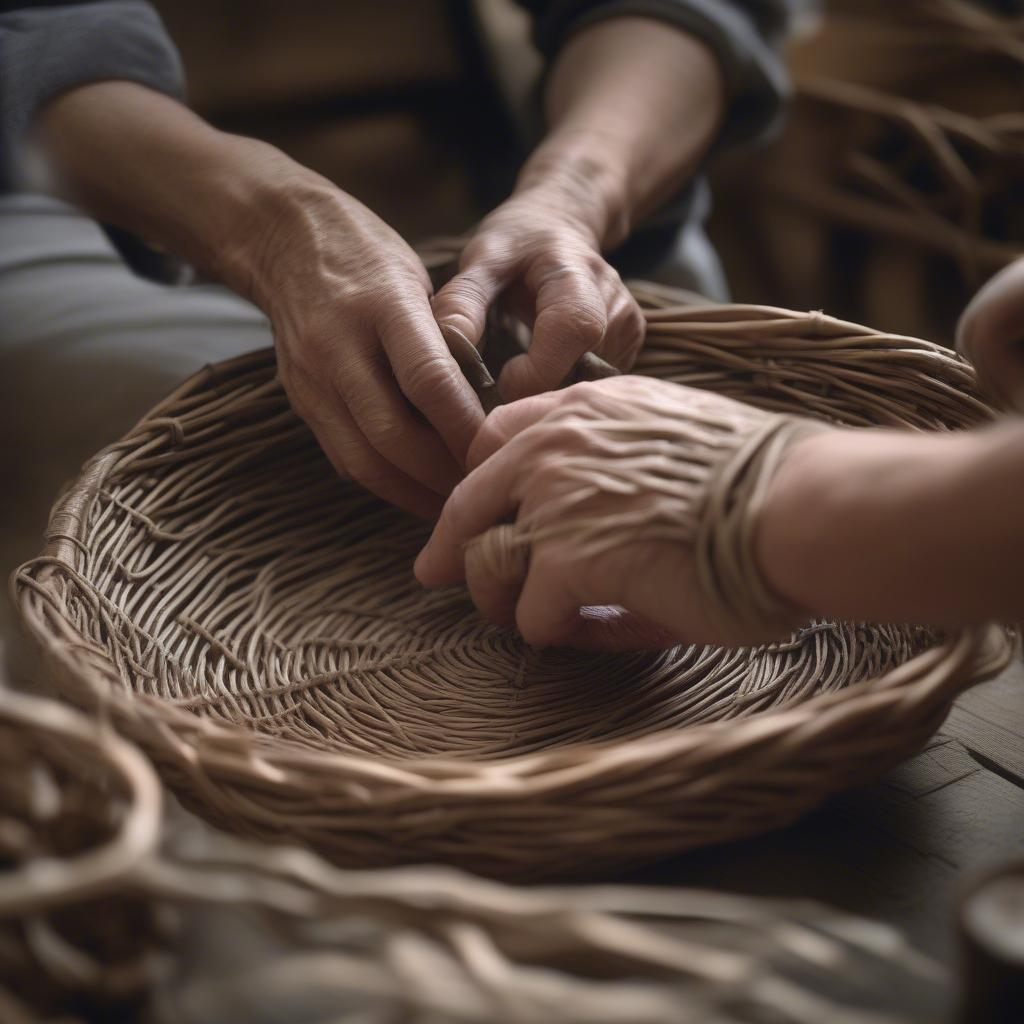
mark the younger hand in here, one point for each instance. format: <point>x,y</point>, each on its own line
<point>638,591</point>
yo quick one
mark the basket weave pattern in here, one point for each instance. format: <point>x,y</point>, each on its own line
<point>253,622</point>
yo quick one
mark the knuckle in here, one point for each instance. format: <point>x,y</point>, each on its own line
<point>573,434</point>
<point>394,313</point>
<point>459,296</point>
<point>606,272</point>
<point>550,267</point>
<point>623,340</point>
<point>425,382</point>
<point>581,324</point>
<point>637,322</point>
<point>385,431</point>
<point>491,433</point>
<point>492,247</point>
<point>365,467</point>
<point>578,398</point>
<point>588,320</point>
<point>631,385</point>
<point>388,298</point>
<point>553,441</point>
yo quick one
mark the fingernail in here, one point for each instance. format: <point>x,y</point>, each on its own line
<point>590,367</point>
<point>472,365</point>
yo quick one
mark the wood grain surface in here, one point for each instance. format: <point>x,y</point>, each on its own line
<point>900,849</point>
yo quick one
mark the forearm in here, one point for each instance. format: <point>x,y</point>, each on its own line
<point>138,159</point>
<point>632,106</point>
<point>885,526</point>
<point>358,350</point>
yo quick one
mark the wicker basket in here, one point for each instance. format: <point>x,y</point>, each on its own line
<point>252,621</point>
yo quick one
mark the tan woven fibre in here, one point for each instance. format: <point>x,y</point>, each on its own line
<point>253,622</point>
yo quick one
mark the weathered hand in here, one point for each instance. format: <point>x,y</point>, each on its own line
<point>537,252</point>
<point>359,352</point>
<point>606,479</point>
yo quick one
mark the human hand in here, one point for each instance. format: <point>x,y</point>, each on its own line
<point>632,105</point>
<point>991,335</point>
<point>359,352</point>
<point>538,251</point>
<point>614,486</point>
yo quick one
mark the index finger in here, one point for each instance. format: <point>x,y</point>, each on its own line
<point>429,376</point>
<point>571,319</point>
<point>505,422</point>
<point>483,499</point>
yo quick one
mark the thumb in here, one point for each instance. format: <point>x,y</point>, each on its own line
<point>460,307</point>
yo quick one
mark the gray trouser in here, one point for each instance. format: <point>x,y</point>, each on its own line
<point>86,347</point>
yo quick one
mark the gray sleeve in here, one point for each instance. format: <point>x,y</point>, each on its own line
<point>47,50</point>
<point>745,36</point>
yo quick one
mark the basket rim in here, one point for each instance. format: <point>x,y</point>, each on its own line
<point>936,676</point>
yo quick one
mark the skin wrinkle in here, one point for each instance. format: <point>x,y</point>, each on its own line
<point>600,163</point>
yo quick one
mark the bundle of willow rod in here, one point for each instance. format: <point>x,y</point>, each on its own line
<point>892,189</point>
<point>103,918</point>
<point>79,809</point>
<point>253,623</point>
<point>906,170</point>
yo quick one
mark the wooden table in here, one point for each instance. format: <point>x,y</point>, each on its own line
<point>897,850</point>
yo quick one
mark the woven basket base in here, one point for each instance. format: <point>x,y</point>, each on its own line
<point>253,621</point>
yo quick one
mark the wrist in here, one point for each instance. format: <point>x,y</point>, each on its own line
<point>639,101</point>
<point>575,174</point>
<point>253,203</point>
<point>800,498</point>
<point>858,525</point>
<point>141,160</point>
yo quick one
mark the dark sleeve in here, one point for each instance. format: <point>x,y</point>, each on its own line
<point>744,35</point>
<point>47,50</point>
